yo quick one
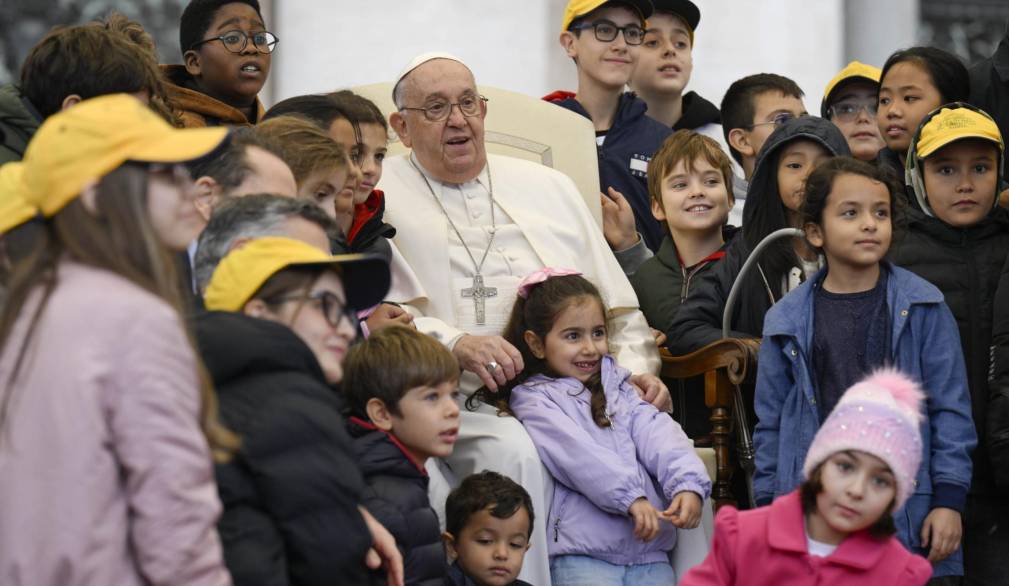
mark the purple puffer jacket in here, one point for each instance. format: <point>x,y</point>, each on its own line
<point>600,471</point>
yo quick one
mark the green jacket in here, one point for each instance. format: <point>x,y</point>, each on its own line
<point>18,123</point>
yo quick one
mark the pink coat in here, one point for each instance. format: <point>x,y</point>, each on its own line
<point>105,476</point>
<point>768,546</point>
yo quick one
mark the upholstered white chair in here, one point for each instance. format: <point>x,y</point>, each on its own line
<point>522,126</point>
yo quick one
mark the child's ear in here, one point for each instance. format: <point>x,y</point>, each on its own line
<point>535,344</point>
<point>398,124</point>
<point>740,140</point>
<point>255,308</point>
<point>659,212</point>
<point>71,100</point>
<point>379,414</point>
<point>449,540</point>
<point>567,41</point>
<point>814,234</point>
<point>191,59</point>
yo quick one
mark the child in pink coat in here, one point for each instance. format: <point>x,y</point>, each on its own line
<point>837,527</point>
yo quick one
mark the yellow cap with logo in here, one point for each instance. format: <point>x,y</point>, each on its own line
<point>851,71</point>
<point>244,270</point>
<point>578,8</point>
<point>89,140</point>
<point>14,210</point>
<point>952,124</point>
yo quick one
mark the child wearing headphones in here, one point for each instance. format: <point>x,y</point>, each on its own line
<point>957,238</point>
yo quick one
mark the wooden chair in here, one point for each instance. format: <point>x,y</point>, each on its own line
<point>725,363</point>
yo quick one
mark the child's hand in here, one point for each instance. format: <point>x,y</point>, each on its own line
<point>618,220</point>
<point>653,390</point>
<point>646,519</point>
<point>941,533</point>
<point>685,510</point>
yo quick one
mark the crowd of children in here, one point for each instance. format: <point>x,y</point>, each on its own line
<point>204,380</point>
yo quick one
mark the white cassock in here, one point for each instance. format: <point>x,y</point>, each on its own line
<point>541,220</point>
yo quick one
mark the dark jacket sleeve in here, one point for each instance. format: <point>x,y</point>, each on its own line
<point>698,320</point>
<point>998,401</point>
<point>300,457</point>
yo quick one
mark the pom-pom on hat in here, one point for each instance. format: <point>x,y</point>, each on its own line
<point>879,415</point>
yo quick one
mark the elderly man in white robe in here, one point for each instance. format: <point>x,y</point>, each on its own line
<point>470,227</point>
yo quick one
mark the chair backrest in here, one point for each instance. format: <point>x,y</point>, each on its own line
<point>525,127</point>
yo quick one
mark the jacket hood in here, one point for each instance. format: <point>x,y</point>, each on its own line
<point>196,108</point>
<point>763,188</point>
<point>234,345</point>
<point>18,122</point>
<point>697,112</point>
<point>997,221</point>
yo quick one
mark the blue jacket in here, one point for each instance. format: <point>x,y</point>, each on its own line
<point>600,471</point>
<point>925,345</point>
<point>623,159</point>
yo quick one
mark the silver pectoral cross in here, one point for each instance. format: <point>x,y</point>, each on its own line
<point>479,293</point>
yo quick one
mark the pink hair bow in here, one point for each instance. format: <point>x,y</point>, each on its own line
<point>540,276</point>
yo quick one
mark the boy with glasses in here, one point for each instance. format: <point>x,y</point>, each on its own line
<point>603,37</point>
<point>751,109</point>
<point>227,52</point>
<point>850,103</point>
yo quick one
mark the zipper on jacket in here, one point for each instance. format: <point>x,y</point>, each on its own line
<point>557,529</point>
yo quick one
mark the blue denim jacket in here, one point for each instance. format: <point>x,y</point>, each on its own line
<point>925,344</point>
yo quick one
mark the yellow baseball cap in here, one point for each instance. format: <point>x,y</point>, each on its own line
<point>244,270</point>
<point>851,71</point>
<point>956,123</point>
<point>14,210</point>
<point>87,141</point>
<point>578,8</point>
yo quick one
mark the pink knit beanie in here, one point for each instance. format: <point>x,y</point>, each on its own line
<point>879,415</point>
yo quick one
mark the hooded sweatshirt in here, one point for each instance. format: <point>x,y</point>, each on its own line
<point>18,122</point>
<point>292,491</point>
<point>698,321</point>
<point>624,155</point>
<point>697,113</point>
<point>196,109</point>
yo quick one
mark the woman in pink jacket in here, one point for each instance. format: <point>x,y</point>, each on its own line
<point>836,528</point>
<point>105,466</point>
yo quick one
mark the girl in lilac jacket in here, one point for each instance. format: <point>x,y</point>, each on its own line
<point>626,474</point>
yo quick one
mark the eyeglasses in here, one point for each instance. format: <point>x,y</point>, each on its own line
<point>848,111</point>
<point>606,31</point>
<point>173,173</point>
<point>236,41</point>
<point>333,309</point>
<point>778,120</point>
<point>438,111</point>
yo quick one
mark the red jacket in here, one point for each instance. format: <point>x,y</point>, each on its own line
<point>768,546</point>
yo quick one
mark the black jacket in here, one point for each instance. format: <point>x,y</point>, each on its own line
<point>18,122</point>
<point>623,159</point>
<point>456,577</point>
<point>989,88</point>
<point>698,321</point>
<point>396,494</point>
<point>697,112</point>
<point>291,494</point>
<point>965,264</point>
<point>997,420</point>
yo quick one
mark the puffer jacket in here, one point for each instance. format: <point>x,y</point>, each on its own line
<point>698,321</point>
<point>965,264</point>
<point>396,494</point>
<point>623,158</point>
<point>997,416</point>
<point>291,493</point>
<point>18,122</point>
<point>601,471</point>
<point>195,109</point>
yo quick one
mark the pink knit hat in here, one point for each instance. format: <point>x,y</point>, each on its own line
<point>879,415</point>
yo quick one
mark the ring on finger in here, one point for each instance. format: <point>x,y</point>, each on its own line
<point>492,366</point>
